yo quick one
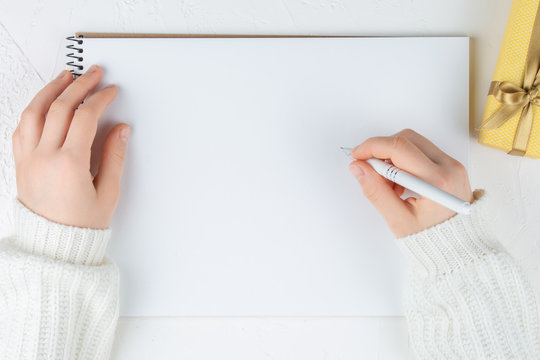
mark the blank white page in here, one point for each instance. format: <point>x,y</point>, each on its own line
<point>236,198</point>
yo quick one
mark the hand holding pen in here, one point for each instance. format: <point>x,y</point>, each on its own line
<point>416,155</point>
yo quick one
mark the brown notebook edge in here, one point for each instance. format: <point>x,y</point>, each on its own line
<point>158,35</point>
<point>149,35</point>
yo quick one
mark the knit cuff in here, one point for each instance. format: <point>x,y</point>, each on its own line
<point>452,244</point>
<point>39,236</point>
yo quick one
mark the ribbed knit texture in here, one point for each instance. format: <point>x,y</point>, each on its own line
<point>468,299</point>
<point>39,236</point>
<point>58,295</point>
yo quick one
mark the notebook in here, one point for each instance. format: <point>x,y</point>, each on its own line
<point>236,198</point>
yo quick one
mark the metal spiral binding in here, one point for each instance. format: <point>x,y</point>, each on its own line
<point>76,55</point>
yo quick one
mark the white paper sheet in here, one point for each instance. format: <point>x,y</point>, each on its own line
<point>236,198</point>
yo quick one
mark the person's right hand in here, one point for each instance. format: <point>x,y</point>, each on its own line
<point>417,155</point>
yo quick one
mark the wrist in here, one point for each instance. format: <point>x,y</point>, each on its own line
<point>39,236</point>
<point>453,243</point>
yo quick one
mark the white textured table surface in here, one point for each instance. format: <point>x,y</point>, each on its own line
<point>31,52</point>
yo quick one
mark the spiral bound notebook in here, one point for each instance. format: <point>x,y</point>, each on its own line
<point>236,198</point>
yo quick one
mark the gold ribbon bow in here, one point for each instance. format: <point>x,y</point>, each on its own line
<point>515,98</point>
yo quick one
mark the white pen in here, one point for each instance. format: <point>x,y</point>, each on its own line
<point>413,183</point>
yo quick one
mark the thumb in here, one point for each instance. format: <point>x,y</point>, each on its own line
<point>380,192</point>
<point>107,181</point>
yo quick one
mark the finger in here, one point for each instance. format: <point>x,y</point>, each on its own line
<point>60,113</point>
<point>403,153</point>
<point>379,191</point>
<point>398,189</point>
<point>33,117</point>
<point>411,201</point>
<point>107,181</point>
<point>83,127</point>
<point>17,148</point>
<point>431,150</point>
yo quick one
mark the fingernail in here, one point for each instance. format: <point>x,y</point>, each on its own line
<point>92,69</point>
<point>61,75</point>
<point>357,171</point>
<point>124,133</point>
<point>109,86</point>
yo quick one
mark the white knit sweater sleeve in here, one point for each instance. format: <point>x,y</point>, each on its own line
<point>58,294</point>
<point>468,299</point>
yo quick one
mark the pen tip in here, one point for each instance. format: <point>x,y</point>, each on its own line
<point>347,151</point>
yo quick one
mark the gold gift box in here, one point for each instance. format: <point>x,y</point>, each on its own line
<point>511,69</point>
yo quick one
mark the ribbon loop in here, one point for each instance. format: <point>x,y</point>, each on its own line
<point>510,94</point>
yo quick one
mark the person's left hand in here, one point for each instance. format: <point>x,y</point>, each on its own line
<point>52,147</point>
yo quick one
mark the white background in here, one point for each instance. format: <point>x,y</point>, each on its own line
<point>31,40</point>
